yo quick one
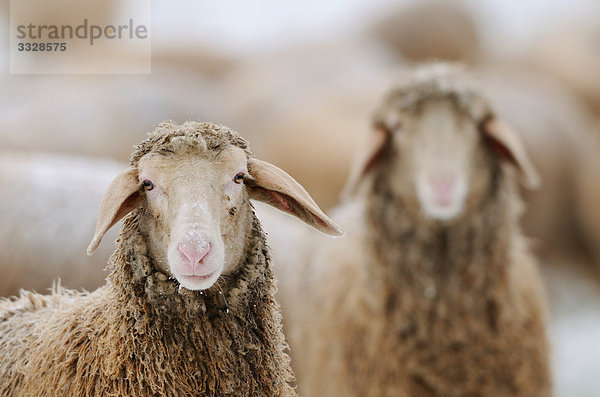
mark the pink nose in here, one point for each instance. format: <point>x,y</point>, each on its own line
<point>195,253</point>
<point>443,186</point>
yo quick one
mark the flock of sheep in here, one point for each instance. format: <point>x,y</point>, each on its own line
<point>433,291</point>
<point>429,286</point>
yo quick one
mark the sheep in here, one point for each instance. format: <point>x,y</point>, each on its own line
<point>188,307</point>
<point>48,205</point>
<point>407,30</point>
<point>569,51</point>
<point>588,195</point>
<point>433,291</point>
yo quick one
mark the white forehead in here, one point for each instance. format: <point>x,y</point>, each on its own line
<point>171,165</point>
<point>440,115</point>
<point>439,123</point>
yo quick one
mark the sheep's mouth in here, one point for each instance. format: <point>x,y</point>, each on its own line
<point>196,278</point>
<point>195,282</point>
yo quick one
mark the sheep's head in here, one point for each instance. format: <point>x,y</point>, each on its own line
<point>193,183</point>
<point>438,143</point>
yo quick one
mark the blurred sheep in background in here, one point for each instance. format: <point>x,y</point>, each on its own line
<point>571,52</point>
<point>433,291</point>
<point>47,211</point>
<point>408,30</point>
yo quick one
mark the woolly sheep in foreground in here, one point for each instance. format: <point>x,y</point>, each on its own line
<point>433,292</point>
<point>188,307</point>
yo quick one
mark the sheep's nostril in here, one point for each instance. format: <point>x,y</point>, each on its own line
<point>443,184</point>
<point>194,253</point>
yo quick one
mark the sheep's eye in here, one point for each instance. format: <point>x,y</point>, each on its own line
<point>238,178</point>
<point>148,185</point>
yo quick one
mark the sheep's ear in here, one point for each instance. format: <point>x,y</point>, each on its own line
<point>122,196</point>
<point>367,158</point>
<point>509,146</point>
<point>274,186</point>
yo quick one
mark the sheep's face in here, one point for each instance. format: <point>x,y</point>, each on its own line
<point>195,213</point>
<point>440,161</point>
<point>437,145</point>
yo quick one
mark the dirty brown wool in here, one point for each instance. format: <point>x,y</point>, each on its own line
<point>140,335</point>
<point>407,305</point>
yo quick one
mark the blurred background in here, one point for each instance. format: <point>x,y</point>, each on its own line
<point>299,80</point>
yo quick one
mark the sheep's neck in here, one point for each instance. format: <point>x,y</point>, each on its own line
<point>196,343</point>
<point>425,263</point>
<point>162,298</point>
